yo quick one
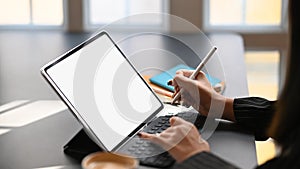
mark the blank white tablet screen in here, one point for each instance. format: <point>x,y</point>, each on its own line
<point>106,91</point>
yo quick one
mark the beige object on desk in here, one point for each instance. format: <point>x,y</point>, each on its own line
<point>105,160</point>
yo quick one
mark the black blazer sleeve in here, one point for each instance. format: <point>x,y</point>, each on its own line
<point>204,160</point>
<point>255,114</point>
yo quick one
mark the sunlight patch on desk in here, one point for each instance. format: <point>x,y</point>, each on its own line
<point>52,167</point>
<point>30,113</point>
<point>3,131</point>
<point>12,105</point>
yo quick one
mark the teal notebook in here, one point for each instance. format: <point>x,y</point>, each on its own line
<point>163,78</point>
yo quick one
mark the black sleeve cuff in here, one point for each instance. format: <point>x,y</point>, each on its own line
<point>254,113</point>
<point>204,160</point>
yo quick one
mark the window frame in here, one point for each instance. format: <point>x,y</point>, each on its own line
<point>282,27</point>
<point>32,26</point>
<point>88,26</point>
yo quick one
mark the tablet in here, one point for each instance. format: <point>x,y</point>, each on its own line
<point>103,90</point>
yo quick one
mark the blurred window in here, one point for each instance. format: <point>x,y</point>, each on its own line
<point>31,13</point>
<point>107,11</point>
<point>247,15</point>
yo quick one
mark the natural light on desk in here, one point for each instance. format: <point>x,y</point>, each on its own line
<point>12,105</point>
<point>263,73</point>
<point>3,131</point>
<point>53,167</point>
<point>30,113</point>
<point>262,76</point>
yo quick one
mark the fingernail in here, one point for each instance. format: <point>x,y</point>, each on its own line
<point>169,82</point>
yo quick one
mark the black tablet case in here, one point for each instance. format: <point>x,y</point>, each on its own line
<point>80,146</point>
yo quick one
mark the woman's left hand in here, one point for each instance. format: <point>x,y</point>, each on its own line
<point>181,139</point>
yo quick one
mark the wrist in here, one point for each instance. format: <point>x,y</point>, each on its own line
<point>228,109</point>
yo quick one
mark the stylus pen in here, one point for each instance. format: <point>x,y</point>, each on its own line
<point>198,69</point>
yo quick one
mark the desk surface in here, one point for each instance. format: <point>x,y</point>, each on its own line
<point>38,142</point>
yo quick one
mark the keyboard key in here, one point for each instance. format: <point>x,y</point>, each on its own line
<point>131,149</point>
<point>151,131</point>
<point>158,125</point>
<point>142,148</point>
<point>135,145</point>
<point>162,122</point>
<point>148,153</point>
<point>146,145</point>
<point>140,142</point>
<point>154,128</point>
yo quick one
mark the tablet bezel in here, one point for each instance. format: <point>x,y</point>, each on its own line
<point>72,108</point>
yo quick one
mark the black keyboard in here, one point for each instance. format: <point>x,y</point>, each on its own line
<point>150,154</point>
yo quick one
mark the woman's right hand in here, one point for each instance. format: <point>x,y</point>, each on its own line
<point>200,94</point>
<point>182,139</point>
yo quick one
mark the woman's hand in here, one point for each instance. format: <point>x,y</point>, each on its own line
<point>200,94</point>
<point>181,139</point>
